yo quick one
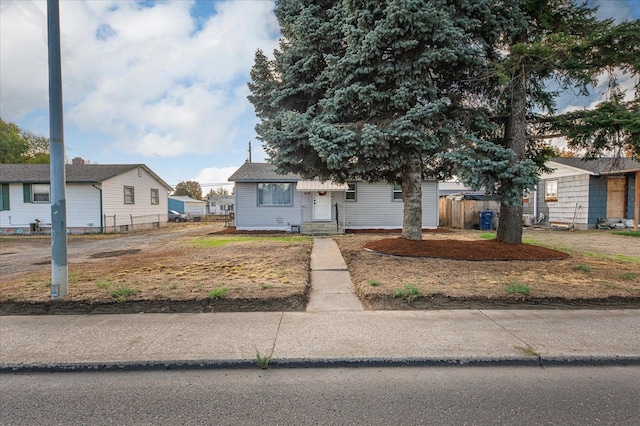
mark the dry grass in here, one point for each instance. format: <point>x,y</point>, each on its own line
<point>192,264</point>
<point>582,277</point>
<point>188,268</point>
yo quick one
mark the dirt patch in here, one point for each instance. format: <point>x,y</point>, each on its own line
<point>436,280</point>
<point>115,253</point>
<point>184,269</point>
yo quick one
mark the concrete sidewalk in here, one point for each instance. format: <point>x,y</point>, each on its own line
<point>334,331</point>
<point>139,341</point>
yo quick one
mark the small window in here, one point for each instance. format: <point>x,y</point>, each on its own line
<point>155,196</point>
<point>275,194</point>
<point>4,197</point>
<point>350,194</point>
<point>551,190</point>
<point>397,193</point>
<point>526,194</point>
<point>40,193</point>
<point>129,195</point>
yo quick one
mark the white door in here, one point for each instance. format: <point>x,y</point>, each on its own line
<point>321,206</point>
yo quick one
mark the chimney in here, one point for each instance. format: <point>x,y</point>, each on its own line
<point>77,161</point>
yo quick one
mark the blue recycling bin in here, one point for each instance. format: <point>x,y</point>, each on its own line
<point>486,220</point>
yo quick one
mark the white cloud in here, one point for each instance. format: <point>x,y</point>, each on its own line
<point>147,76</point>
<point>214,177</point>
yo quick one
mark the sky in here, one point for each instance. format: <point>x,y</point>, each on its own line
<point>162,83</point>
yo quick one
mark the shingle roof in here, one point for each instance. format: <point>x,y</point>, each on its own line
<point>600,165</point>
<point>261,172</point>
<point>85,173</point>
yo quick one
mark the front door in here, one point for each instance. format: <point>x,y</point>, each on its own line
<point>321,206</point>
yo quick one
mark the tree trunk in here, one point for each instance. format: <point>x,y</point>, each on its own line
<point>412,198</point>
<point>510,221</point>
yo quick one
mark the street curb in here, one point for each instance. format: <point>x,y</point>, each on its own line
<point>552,361</point>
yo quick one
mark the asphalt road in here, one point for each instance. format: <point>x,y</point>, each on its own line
<point>374,396</point>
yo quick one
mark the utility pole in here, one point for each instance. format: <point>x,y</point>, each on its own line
<point>59,263</point>
<point>249,151</point>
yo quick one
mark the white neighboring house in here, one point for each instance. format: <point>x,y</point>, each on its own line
<point>265,200</point>
<point>221,204</point>
<point>99,198</point>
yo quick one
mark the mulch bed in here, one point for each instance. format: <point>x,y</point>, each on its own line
<point>483,250</point>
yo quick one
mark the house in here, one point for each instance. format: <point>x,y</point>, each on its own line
<point>99,198</point>
<point>578,193</point>
<point>265,200</point>
<point>187,205</point>
<point>221,204</point>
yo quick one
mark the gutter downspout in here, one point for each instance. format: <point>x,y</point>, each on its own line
<point>101,212</point>
<point>535,204</point>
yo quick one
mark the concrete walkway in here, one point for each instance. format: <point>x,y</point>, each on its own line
<point>334,331</point>
<point>331,286</point>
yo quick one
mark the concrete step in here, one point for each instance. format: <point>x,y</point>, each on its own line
<point>321,228</point>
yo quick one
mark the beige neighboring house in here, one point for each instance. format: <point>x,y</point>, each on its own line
<point>99,198</point>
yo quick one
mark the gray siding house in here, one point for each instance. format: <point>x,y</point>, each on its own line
<point>99,198</point>
<point>265,200</point>
<point>577,193</point>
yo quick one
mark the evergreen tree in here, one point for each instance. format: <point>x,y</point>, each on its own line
<point>371,90</point>
<point>558,43</point>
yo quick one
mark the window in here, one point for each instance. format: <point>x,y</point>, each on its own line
<point>36,192</point>
<point>551,190</point>
<point>350,194</point>
<point>155,196</point>
<point>397,193</point>
<point>275,194</point>
<point>526,194</point>
<point>129,195</point>
<point>40,193</point>
<point>4,197</point>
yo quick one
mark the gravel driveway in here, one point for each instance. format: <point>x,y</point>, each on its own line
<point>28,254</point>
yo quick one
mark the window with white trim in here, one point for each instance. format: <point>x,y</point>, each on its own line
<point>551,190</point>
<point>41,192</point>
<point>275,194</point>
<point>129,195</point>
<point>350,193</point>
<point>397,193</point>
<point>155,196</point>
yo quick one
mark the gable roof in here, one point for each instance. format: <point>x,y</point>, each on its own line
<point>600,166</point>
<point>81,173</point>
<point>261,172</point>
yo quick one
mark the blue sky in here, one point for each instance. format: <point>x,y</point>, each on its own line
<point>156,82</point>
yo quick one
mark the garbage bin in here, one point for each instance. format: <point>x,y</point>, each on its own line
<point>486,220</point>
<point>33,227</point>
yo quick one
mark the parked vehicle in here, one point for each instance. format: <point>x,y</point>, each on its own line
<point>174,216</point>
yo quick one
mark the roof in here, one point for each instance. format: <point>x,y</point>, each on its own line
<point>82,173</point>
<point>600,166</point>
<point>261,172</point>
<point>186,199</point>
